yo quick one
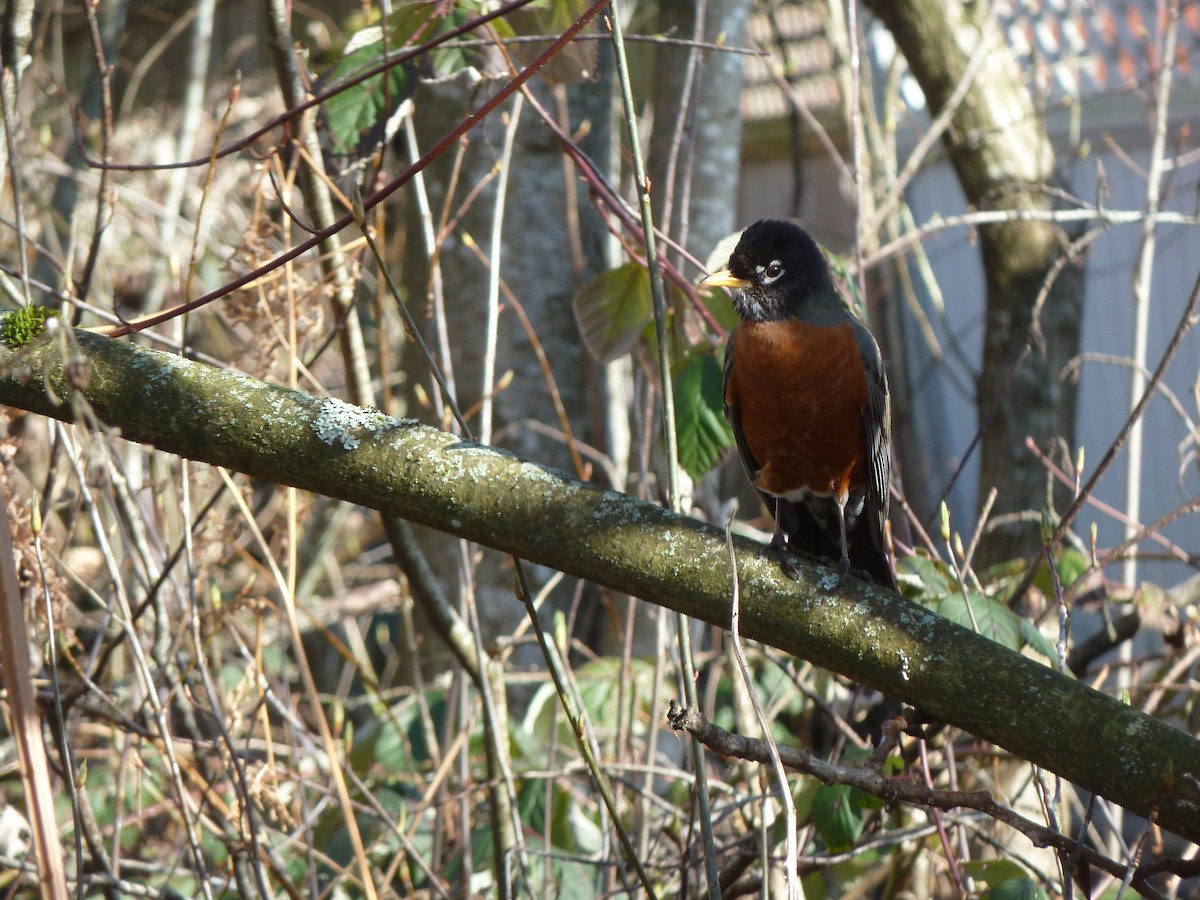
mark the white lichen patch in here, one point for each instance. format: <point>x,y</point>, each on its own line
<point>284,412</point>
<point>618,507</point>
<point>160,370</point>
<point>338,422</point>
<point>829,581</point>
<point>920,623</point>
<point>1136,727</point>
<point>532,473</point>
<point>904,670</point>
<point>454,467</point>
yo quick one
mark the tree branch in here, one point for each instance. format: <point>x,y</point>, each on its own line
<point>546,516</point>
<point>870,780</point>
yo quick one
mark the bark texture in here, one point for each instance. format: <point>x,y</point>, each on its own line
<point>538,264</point>
<point>405,469</point>
<point>695,150</point>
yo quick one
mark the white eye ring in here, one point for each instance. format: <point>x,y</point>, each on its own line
<point>770,272</point>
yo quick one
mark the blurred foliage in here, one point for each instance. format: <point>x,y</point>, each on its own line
<point>197,745</point>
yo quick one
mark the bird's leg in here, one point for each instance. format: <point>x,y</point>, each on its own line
<point>779,544</point>
<point>844,563</point>
<point>779,540</point>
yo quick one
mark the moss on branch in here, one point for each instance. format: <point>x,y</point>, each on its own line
<point>546,516</point>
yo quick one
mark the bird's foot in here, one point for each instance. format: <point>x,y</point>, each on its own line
<point>779,548</point>
<point>863,574</point>
<point>844,568</point>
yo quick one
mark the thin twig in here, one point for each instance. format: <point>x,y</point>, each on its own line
<point>896,790</point>
<point>658,298</point>
<point>317,201</point>
<point>917,157</point>
<point>8,97</point>
<point>191,108</point>
<point>124,617</point>
<point>574,447</point>
<point>1185,323</point>
<point>1084,214</point>
<point>335,767</point>
<point>496,245</point>
<point>1142,276</point>
<point>104,200</point>
<point>785,792</point>
<point>25,716</point>
<point>575,710</point>
<point>468,122</point>
<point>299,108</point>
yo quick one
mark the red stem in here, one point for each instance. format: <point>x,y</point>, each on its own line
<point>384,192</point>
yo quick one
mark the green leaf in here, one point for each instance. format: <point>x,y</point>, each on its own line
<point>357,116</point>
<point>804,796</point>
<point>569,880</point>
<point>1017,889</point>
<point>411,24</point>
<point>788,703</point>
<point>1006,879</point>
<point>1038,641</point>
<point>701,431</point>
<point>837,815</point>
<point>612,310</point>
<point>1071,565</point>
<point>992,871</point>
<point>994,618</point>
<point>930,579</point>
<point>569,829</point>
<point>355,111</point>
<point>720,308</point>
<point>574,63</point>
<point>600,688</point>
<point>559,15</point>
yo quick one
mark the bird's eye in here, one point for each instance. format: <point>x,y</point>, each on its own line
<point>772,271</point>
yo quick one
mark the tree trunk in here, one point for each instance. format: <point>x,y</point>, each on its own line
<point>1002,156</point>
<point>537,263</point>
<point>695,151</point>
<point>694,159</point>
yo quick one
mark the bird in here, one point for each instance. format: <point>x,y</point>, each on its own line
<point>806,396</point>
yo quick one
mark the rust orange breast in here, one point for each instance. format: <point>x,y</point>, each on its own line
<point>800,391</point>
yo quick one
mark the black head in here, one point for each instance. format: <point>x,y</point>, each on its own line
<point>774,270</point>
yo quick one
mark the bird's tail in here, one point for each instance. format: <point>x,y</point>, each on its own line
<point>806,535</point>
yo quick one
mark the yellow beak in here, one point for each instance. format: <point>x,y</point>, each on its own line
<point>724,278</point>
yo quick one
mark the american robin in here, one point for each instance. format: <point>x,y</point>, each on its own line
<point>807,397</point>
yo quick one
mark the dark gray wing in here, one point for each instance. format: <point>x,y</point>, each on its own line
<point>733,414</point>
<point>877,419</point>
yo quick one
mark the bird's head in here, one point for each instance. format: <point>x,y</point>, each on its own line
<point>773,271</point>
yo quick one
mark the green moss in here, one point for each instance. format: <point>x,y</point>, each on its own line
<point>21,326</point>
